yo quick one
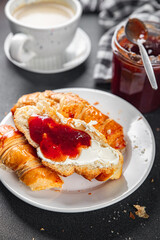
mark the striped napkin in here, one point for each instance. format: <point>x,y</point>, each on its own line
<point>111,13</point>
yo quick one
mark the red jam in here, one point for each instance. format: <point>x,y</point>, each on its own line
<point>129,79</point>
<point>152,45</point>
<point>57,141</point>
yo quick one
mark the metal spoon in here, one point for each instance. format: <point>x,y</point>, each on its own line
<point>137,33</point>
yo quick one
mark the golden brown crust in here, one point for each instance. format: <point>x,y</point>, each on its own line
<point>72,106</point>
<point>18,155</point>
<point>28,99</point>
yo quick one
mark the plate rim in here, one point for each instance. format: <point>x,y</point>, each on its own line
<point>96,206</point>
<point>61,70</point>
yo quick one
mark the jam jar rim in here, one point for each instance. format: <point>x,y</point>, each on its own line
<point>114,42</point>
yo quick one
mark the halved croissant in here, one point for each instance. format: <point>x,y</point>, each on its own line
<point>101,168</point>
<point>72,106</point>
<point>17,154</point>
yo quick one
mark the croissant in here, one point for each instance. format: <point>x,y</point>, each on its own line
<point>72,106</point>
<point>18,155</point>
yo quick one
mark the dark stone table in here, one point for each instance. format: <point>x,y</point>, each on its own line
<point>18,220</point>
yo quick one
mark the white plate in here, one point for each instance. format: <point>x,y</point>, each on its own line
<point>80,195</point>
<point>76,53</point>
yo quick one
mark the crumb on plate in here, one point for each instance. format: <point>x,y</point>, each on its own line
<point>135,147</point>
<point>96,103</point>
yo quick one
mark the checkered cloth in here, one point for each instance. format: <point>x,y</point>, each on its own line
<point>111,13</point>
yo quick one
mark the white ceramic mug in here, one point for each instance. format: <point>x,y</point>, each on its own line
<point>28,41</point>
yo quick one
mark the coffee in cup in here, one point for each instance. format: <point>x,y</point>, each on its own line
<point>43,14</point>
<point>42,28</point>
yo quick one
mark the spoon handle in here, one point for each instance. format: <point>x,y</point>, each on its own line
<point>148,66</point>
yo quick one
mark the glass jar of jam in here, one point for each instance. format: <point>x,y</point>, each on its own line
<point>129,79</point>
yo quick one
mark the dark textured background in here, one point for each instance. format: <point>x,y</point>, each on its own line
<point>18,220</point>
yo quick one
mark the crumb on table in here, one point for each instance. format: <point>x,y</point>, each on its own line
<point>131,215</point>
<point>42,229</point>
<point>141,212</point>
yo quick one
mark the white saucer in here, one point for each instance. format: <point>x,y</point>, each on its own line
<point>77,52</point>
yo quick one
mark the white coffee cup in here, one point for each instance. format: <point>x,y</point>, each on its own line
<point>29,41</point>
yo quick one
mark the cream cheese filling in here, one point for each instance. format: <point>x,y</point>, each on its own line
<point>95,154</point>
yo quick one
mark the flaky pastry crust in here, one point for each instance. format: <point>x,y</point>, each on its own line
<point>18,155</point>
